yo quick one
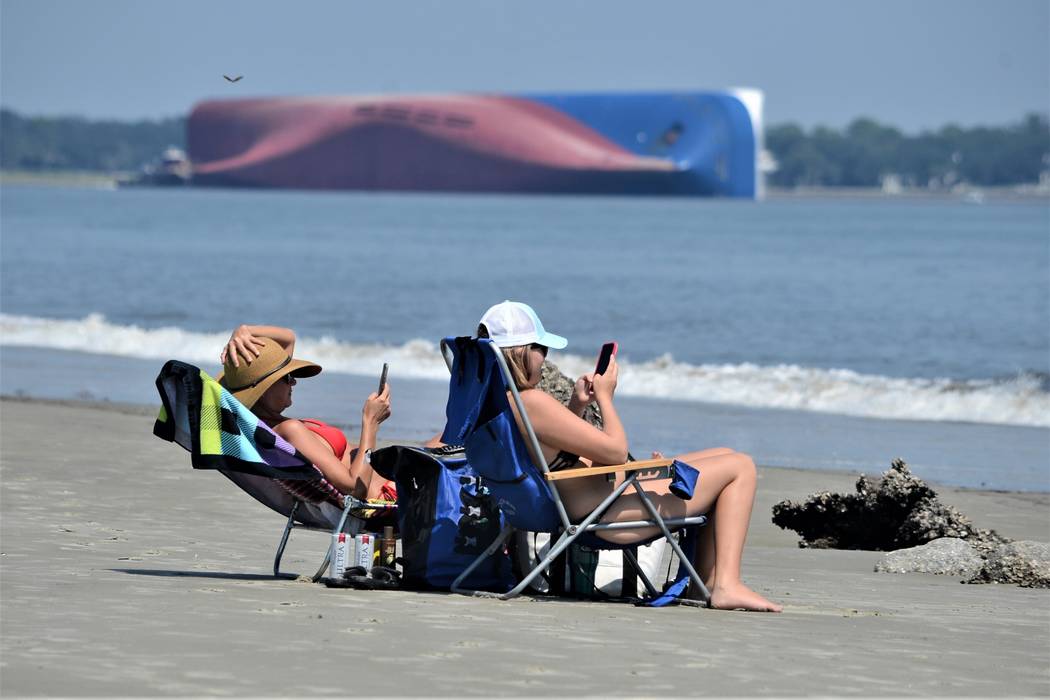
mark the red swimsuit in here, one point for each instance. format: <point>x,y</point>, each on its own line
<point>334,437</point>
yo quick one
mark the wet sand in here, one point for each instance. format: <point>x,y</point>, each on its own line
<point>124,572</point>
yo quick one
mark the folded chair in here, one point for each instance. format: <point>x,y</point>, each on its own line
<point>221,433</point>
<point>479,416</point>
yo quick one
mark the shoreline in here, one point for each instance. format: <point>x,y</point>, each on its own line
<point>970,194</point>
<point>126,572</point>
<point>144,410</point>
<point>1024,193</point>
<point>974,455</point>
<point>64,178</point>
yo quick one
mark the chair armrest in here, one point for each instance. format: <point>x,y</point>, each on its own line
<point>641,465</point>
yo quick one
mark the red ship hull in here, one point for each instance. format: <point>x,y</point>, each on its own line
<point>469,143</point>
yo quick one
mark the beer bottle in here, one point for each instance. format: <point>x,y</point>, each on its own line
<point>388,547</point>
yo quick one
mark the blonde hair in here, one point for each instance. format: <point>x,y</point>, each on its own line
<point>517,358</point>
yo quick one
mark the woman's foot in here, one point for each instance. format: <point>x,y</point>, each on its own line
<point>740,597</point>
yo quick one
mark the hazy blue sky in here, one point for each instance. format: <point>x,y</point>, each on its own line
<point>913,63</point>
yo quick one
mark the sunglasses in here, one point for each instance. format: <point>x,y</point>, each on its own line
<point>288,379</point>
<point>541,348</point>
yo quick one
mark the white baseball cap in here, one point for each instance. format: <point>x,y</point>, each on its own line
<point>512,323</point>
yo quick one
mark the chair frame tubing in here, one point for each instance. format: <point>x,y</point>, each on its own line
<point>348,523</point>
<point>569,531</point>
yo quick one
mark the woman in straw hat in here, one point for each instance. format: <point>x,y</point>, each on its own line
<point>725,490</point>
<point>259,369</point>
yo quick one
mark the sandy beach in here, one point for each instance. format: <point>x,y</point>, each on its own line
<point>124,572</point>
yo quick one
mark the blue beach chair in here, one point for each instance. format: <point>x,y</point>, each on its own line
<point>479,416</point>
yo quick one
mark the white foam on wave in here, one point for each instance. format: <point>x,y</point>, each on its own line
<point>1019,401</point>
<point>94,334</point>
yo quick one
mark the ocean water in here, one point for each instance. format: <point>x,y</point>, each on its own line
<point>914,327</point>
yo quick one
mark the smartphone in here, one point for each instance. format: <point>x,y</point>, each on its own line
<point>608,350</point>
<point>382,379</point>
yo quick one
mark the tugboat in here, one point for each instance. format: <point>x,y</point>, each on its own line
<point>172,168</point>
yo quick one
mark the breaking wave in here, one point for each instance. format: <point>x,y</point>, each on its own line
<point>1023,399</point>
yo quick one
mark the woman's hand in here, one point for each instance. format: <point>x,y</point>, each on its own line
<point>604,385</point>
<point>242,342</point>
<point>582,394</point>
<point>377,407</point>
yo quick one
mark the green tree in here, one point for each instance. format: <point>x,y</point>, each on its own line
<point>73,143</point>
<point>865,151</point>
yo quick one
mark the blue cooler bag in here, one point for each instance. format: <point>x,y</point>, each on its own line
<point>447,517</point>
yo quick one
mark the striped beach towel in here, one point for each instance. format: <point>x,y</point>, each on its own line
<point>218,431</point>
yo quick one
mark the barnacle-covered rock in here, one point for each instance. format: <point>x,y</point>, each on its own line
<point>896,511</point>
<point>1024,562</point>
<point>947,555</point>
<point>553,382</point>
<point>900,513</point>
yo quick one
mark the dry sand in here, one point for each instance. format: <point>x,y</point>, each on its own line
<point>124,572</point>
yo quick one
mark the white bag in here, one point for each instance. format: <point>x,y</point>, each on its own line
<point>531,547</point>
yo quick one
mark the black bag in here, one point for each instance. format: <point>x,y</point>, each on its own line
<point>447,517</point>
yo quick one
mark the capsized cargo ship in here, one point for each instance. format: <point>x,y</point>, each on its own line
<point>688,143</point>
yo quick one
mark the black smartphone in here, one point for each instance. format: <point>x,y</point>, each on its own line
<point>382,379</point>
<point>608,350</point>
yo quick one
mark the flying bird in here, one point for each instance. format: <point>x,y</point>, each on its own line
<point>232,80</point>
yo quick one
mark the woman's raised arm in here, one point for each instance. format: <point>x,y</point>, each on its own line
<point>558,427</point>
<point>375,411</point>
<point>244,342</point>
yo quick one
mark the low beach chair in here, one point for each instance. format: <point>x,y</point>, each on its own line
<point>479,416</point>
<point>217,430</point>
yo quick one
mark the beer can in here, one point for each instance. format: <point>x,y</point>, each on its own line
<point>364,547</point>
<point>339,556</point>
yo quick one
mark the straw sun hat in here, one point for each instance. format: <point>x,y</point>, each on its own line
<point>251,380</point>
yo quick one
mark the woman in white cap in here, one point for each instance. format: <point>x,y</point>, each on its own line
<point>725,490</point>
<point>259,370</point>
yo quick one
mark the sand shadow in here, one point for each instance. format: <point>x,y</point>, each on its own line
<point>207,574</point>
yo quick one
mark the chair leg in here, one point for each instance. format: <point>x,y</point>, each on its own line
<point>489,551</point>
<point>324,566</point>
<point>670,540</point>
<point>284,540</point>
<point>629,556</point>
<point>555,550</point>
<point>559,569</point>
<point>338,528</point>
<point>566,539</point>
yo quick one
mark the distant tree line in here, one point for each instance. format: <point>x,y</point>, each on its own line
<point>865,152</point>
<point>861,155</point>
<point>74,143</point>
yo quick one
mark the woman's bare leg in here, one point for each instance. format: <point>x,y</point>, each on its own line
<point>704,556</point>
<point>725,490</point>
<point>732,514</point>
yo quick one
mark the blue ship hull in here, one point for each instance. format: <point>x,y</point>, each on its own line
<point>713,138</point>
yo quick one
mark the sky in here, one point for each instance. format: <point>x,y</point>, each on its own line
<point>913,64</point>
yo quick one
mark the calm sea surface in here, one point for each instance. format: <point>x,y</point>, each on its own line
<point>895,310</point>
